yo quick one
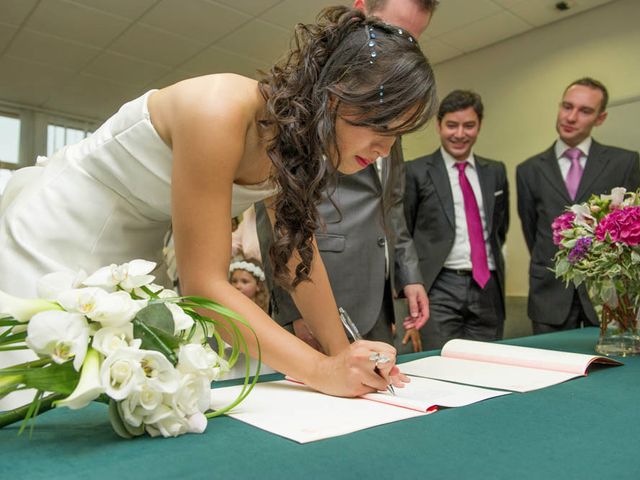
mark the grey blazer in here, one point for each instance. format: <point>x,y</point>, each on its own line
<point>430,215</point>
<point>542,196</point>
<point>351,239</point>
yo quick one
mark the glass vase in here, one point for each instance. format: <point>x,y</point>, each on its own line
<point>619,329</point>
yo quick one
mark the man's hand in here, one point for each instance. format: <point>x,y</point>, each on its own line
<point>418,306</point>
<point>416,341</point>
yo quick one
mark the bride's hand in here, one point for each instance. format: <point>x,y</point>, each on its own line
<point>354,371</point>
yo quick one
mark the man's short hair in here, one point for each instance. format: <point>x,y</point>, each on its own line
<point>375,5</point>
<point>461,100</point>
<point>596,85</point>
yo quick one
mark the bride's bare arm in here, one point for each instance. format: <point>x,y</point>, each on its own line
<point>207,134</point>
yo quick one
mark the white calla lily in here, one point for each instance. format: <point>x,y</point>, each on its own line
<point>127,276</point>
<point>59,335</point>
<point>89,386</point>
<point>22,309</point>
<point>616,196</point>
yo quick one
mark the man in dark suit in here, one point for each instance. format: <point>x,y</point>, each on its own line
<point>363,241</point>
<point>570,171</point>
<point>457,210</point>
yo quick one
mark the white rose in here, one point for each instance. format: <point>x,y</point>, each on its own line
<point>89,386</point>
<point>59,335</point>
<point>109,339</point>
<point>140,404</point>
<point>197,423</point>
<point>193,395</point>
<point>122,373</point>
<point>181,320</point>
<point>167,422</point>
<point>202,360</point>
<point>127,276</point>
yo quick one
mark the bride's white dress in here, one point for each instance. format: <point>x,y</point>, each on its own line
<point>104,200</point>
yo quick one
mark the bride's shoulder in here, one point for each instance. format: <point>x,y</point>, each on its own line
<point>224,94</point>
<point>228,101</point>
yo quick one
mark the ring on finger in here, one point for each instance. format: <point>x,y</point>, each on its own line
<point>379,358</point>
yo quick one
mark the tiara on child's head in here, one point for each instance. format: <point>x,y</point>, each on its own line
<point>254,270</point>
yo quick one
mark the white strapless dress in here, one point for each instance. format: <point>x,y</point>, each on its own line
<point>104,200</point>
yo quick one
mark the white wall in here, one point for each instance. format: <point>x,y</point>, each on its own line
<point>521,81</point>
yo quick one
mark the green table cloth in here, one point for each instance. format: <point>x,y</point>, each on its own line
<point>582,429</point>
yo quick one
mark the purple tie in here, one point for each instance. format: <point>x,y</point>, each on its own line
<point>479,265</point>
<point>575,171</point>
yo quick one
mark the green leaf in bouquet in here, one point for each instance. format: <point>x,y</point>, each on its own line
<point>578,278</point>
<point>154,325</point>
<point>562,267</point>
<point>58,378</point>
<point>608,293</point>
<point>635,257</point>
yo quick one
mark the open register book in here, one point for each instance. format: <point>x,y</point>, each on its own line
<point>294,411</point>
<point>507,367</point>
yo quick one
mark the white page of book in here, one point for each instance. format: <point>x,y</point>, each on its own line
<point>425,393</point>
<point>483,374</point>
<point>301,414</point>
<point>576,363</point>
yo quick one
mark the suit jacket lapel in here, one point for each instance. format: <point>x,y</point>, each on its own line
<point>551,170</point>
<point>596,161</point>
<point>436,168</point>
<point>488,187</point>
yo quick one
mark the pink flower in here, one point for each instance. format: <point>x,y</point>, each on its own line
<point>622,225</point>
<point>562,222</point>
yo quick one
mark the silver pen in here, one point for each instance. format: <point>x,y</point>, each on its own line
<point>351,328</point>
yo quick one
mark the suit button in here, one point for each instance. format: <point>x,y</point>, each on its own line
<point>381,241</point>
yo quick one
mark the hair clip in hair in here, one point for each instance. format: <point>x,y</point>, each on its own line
<point>371,43</point>
<point>381,93</point>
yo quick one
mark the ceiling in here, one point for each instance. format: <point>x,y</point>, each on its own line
<point>85,57</point>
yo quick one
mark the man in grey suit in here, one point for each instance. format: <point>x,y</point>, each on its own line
<point>457,210</point>
<point>363,241</point>
<point>570,171</point>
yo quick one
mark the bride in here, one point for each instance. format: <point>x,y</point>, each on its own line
<point>199,152</point>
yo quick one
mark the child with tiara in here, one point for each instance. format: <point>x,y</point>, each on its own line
<point>247,276</point>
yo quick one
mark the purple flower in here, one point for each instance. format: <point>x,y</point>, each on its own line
<point>622,225</point>
<point>580,250</point>
<point>562,222</point>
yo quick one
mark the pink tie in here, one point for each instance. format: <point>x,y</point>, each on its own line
<point>479,265</point>
<point>575,171</point>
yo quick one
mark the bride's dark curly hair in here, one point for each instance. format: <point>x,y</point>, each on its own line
<point>334,67</point>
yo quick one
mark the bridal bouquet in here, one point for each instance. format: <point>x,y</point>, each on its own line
<point>599,245</point>
<point>116,337</point>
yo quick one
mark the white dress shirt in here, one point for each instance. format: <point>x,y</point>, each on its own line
<point>564,163</point>
<point>460,256</point>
